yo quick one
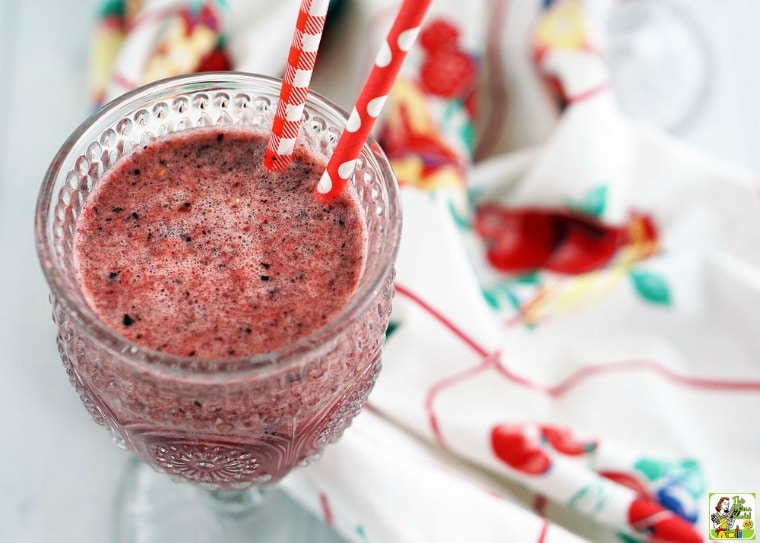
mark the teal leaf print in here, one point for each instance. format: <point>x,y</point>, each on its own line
<point>651,286</point>
<point>594,202</point>
<point>460,220</point>
<point>531,278</point>
<point>468,137</point>
<point>687,473</point>
<point>496,295</point>
<point>510,295</point>
<point>473,196</point>
<point>590,499</point>
<point>112,7</point>
<point>392,327</point>
<point>491,298</point>
<point>692,478</point>
<point>651,469</point>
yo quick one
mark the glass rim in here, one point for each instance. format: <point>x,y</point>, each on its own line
<point>159,362</point>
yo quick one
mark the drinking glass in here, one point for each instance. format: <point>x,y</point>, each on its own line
<point>660,62</point>
<point>231,428</point>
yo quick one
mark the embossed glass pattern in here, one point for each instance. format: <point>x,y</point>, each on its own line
<point>230,424</point>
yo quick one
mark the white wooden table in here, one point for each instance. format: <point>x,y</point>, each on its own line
<point>58,470</point>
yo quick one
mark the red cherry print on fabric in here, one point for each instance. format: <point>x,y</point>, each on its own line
<point>216,60</point>
<point>447,70</point>
<point>515,447</point>
<point>448,73</point>
<point>437,35</point>
<point>583,244</point>
<point>564,441</point>
<point>521,240</point>
<point>517,240</point>
<point>659,524</point>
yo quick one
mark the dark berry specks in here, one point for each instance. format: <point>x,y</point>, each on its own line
<point>235,252</point>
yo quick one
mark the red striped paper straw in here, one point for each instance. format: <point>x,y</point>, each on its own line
<point>372,97</point>
<point>295,85</point>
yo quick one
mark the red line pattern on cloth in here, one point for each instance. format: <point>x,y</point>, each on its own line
<point>492,360</point>
<point>539,506</point>
<point>156,15</point>
<point>589,93</point>
<point>542,533</point>
<point>327,514</point>
<point>442,385</point>
<point>454,329</point>
<point>703,383</point>
<point>123,82</point>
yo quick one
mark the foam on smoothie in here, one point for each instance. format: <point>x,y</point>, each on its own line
<point>189,246</point>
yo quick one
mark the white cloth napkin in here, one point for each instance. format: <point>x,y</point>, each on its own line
<point>557,403</point>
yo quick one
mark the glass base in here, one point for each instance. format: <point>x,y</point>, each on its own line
<point>153,508</point>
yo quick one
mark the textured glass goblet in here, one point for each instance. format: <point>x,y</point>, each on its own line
<point>225,425</point>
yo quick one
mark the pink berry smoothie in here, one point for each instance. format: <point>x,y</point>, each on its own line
<point>188,247</point>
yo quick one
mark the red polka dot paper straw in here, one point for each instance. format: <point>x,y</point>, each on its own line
<point>372,96</point>
<point>295,85</point>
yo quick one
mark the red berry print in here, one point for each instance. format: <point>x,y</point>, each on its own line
<point>521,240</point>
<point>659,524</point>
<point>437,35</point>
<point>564,441</point>
<point>513,446</point>
<point>583,244</point>
<point>518,240</point>
<point>448,72</point>
<point>216,60</point>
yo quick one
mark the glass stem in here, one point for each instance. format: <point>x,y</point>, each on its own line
<point>236,503</point>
